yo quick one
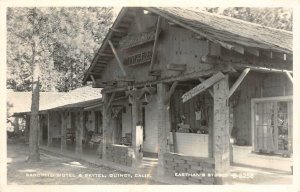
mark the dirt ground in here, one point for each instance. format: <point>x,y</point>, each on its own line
<point>57,170</point>
<point>54,169</point>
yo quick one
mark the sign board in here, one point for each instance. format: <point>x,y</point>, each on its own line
<point>139,58</point>
<point>133,40</point>
<point>202,87</point>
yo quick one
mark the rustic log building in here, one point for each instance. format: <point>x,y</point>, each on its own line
<point>183,84</point>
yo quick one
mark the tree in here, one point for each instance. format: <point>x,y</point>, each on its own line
<point>72,36</point>
<point>47,49</point>
<point>35,21</point>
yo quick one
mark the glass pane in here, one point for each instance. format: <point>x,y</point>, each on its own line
<point>282,107</point>
<point>283,131</point>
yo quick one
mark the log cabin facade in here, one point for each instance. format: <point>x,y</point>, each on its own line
<point>198,90</point>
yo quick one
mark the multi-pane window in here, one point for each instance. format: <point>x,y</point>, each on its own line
<point>273,126</point>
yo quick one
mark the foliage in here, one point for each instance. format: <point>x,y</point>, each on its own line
<point>68,37</point>
<point>276,17</point>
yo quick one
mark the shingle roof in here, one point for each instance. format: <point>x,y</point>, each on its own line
<point>228,29</point>
<point>80,97</point>
<point>20,102</point>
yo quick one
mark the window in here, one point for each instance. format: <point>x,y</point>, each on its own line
<point>272,125</point>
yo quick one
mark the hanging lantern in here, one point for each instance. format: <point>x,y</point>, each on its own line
<point>130,99</point>
<point>145,99</point>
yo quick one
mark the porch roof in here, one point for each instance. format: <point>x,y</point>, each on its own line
<point>226,31</point>
<point>20,102</point>
<point>77,98</point>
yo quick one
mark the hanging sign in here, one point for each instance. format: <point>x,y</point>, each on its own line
<point>133,40</point>
<point>202,87</point>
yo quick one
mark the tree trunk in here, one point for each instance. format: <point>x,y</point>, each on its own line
<point>34,120</point>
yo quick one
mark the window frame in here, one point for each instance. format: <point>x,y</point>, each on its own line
<point>254,101</point>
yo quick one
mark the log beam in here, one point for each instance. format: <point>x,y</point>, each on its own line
<point>155,44</point>
<point>170,92</point>
<point>93,79</point>
<point>176,67</point>
<point>118,30</point>
<point>117,57</point>
<point>253,51</point>
<point>110,100</point>
<point>183,77</point>
<point>106,55</point>
<point>289,76</point>
<point>239,49</point>
<point>238,81</point>
<point>257,65</point>
<point>209,90</point>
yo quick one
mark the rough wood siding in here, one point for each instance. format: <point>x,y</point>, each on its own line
<point>179,46</point>
<point>277,85</point>
<point>255,85</point>
<point>175,46</point>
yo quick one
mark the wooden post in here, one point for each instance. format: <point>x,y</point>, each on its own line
<point>163,125</point>
<point>79,132</point>
<point>221,129</point>
<point>49,143</point>
<point>63,142</point>
<point>105,128</point>
<point>137,132</point>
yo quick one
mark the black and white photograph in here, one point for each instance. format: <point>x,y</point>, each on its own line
<point>149,96</point>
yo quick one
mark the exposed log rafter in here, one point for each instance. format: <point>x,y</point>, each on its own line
<point>110,101</point>
<point>170,92</point>
<point>155,44</point>
<point>209,90</point>
<point>238,81</point>
<point>289,76</point>
<point>117,58</point>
